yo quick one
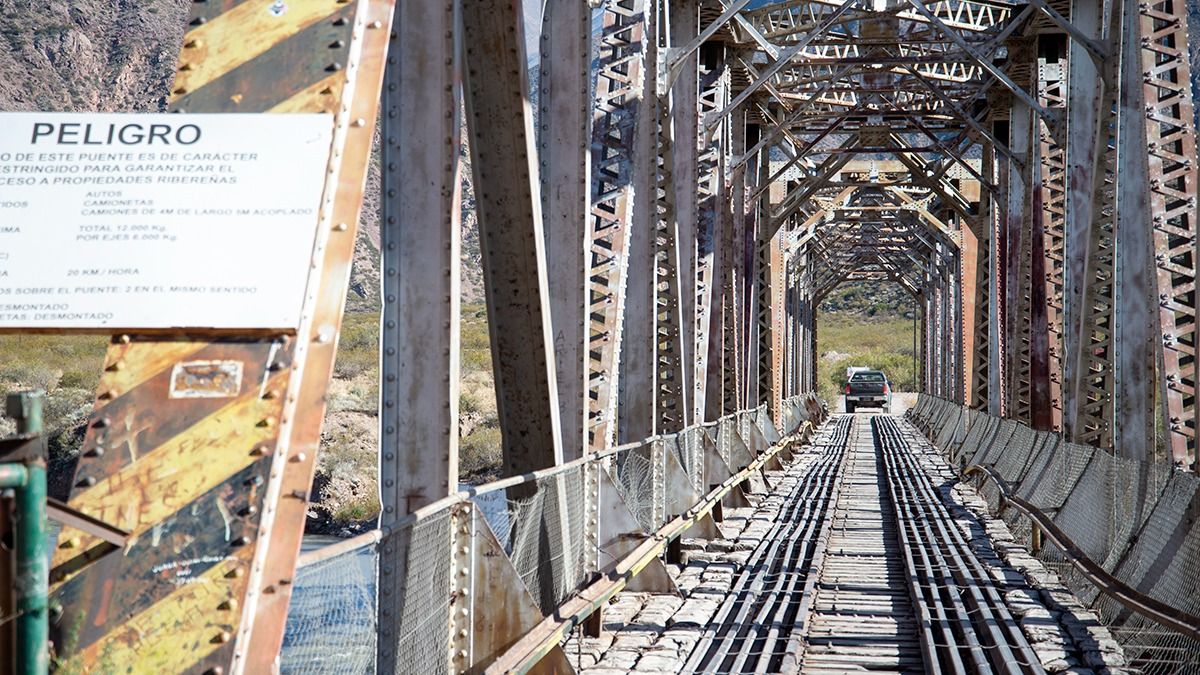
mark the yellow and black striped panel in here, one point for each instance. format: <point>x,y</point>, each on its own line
<point>178,451</point>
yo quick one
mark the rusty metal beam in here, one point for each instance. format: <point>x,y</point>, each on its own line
<point>564,139</point>
<point>618,93</point>
<point>420,239</point>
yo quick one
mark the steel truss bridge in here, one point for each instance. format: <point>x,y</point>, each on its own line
<point>660,218</point>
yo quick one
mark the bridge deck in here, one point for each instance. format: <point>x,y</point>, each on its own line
<point>864,555</point>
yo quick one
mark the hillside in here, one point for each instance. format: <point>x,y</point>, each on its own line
<point>865,324</point>
<point>120,55</point>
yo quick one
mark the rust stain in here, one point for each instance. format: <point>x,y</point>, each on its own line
<point>321,95</point>
<point>168,477</point>
<point>174,633</point>
<point>101,615</point>
<point>206,379</point>
<point>238,36</point>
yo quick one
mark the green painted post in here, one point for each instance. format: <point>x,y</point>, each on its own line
<point>31,580</point>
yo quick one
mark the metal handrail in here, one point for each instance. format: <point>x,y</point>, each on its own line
<point>524,654</point>
<point>1107,583</point>
<point>440,505</point>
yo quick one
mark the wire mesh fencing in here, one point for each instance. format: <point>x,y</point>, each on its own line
<point>331,622</point>
<point>1137,520</point>
<point>418,596</point>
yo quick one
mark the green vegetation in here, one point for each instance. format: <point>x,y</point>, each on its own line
<point>50,361</point>
<point>869,326</point>
<point>358,345</point>
<point>67,368</point>
<point>479,454</point>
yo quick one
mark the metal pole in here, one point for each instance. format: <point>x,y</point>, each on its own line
<point>31,581</point>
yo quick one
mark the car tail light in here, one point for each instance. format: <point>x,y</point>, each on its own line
<point>847,387</point>
<point>886,389</point>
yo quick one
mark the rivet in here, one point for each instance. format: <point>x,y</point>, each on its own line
<point>223,637</point>
<point>88,481</point>
<point>229,604</point>
<point>341,227</point>
<point>299,457</point>
<point>235,573</point>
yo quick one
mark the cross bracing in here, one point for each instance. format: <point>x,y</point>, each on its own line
<point>657,238</point>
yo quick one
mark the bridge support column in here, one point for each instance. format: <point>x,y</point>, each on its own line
<point>614,130</point>
<point>1135,316</point>
<point>511,239</point>
<point>1016,267</point>
<point>685,120</point>
<point>1052,67</point>
<point>1087,376</point>
<point>1171,141</point>
<point>711,210</point>
<point>419,242</point>
<point>564,138</point>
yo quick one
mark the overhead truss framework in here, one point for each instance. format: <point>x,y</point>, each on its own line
<point>658,231</point>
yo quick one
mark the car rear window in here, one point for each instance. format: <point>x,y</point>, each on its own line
<point>867,377</point>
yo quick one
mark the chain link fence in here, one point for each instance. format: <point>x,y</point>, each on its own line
<point>1137,520</point>
<point>343,603</point>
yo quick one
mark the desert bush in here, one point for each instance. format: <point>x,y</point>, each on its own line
<point>358,346</point>
<point>882,344</point>
<point>480,455</point>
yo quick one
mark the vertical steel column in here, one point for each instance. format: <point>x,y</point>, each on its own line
<point>614,130</point>
<point>733,237</point>
<point>685,120</point>
<point>1052,94</point>
<point>670,390</point>
<point>420,238</point>
<point>564,137</point>
<point>1088,248</point>
<point>707,375</point>
<point>755,294</point>
<point>1135,317</point>
<point>777,309</point>
<point>500,124</point>
<point>969,252</point>
<point>1171,141</point>
<point>1016,285</point>
<point>1040,416</point>
<point>996,279</point>
<point>637,415</point>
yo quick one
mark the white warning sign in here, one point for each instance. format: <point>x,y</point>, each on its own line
<point>158,221</point>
